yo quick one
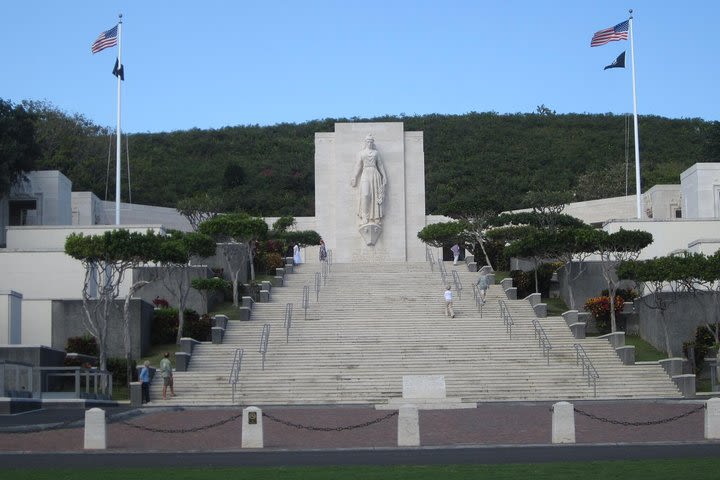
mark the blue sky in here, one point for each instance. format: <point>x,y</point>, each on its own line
<point>214,63</point>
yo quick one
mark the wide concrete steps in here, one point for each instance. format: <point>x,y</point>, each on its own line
<point>373,324</point>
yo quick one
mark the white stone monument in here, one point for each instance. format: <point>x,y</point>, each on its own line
<point>370,192</point>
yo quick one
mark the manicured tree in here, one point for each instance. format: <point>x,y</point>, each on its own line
<point>107,258</point>
<point>707,279</point>
<point>231,231</point>
<point>613,248</point>
<point>475,216</point>
<point>200,207</point>
<point>175,252</point>
<point>281,232</point>
<point>206,285</point>
<point>446,233</point>
<point>540,235</point>
<point>662,279</point>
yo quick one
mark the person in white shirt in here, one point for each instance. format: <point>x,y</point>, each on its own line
<point>448,303</point>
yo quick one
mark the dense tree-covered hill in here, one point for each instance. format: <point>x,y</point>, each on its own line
<point>269,170</point>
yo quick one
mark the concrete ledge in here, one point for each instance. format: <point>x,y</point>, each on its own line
<point>686,384</point>
<point>11,406</point>
<point>265,285</point>
<point>218,333</point>
<point>540,310</point>
<point>449,403</point>
<point>487,269</point>
<point>182,361</point>
<point>505,282</point>
<point>469,258</point>
<point>187,344</point>
<point>277,281</point>
<point>245,313</point>
<point>534,299</point>
<point>220,321</point>
<point>472,267</point>
<point>511,293</point>
<point>136,394</point>
<point>264,296</point>
<point>626,354</point>
<point>673,366</point>
<point>616,339</point>
<point>578,329</point>
<point>571,316</point>
<point>248,302</point>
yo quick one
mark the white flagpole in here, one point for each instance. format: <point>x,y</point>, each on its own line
<point>638,188</point>
<point>118,142</point>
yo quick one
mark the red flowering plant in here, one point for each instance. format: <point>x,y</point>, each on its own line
<point>599,308</point>
<point>160,303</point>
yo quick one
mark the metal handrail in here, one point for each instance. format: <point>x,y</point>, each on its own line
<point>507,318</point>
<point>288,321</point>
<point>264,337</point>
<point>543,340</point>
<point>587,366</point>
<point>306,299</point>
<point>101,379</point>
<point>329,259</point>
<point>317,286</point>
<point>458,284</point>
<point>430,258</point>
<point>479,302</point>
<point>235,371</point>
<point>325,271</point>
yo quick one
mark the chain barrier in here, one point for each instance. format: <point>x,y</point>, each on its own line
<point>182,430</point>
<point>639,424</point>
<point>329,429</point>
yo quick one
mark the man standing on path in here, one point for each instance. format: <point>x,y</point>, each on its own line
<point>167,375</point>
<point>448,303</point>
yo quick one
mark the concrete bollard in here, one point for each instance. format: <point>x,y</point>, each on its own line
<point>252,428</point>
<point>95,432</point>
<point>408,426</point>
<point>712,419</point>
<point>563,423</point>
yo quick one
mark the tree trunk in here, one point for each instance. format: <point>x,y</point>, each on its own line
<point>613,323</point>
<point>665,331</point>
<point>181,323</point>
<point>537,287</point>
<point>487,259</point>
<point>236,297</point>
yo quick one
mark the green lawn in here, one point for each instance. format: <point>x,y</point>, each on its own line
<point>555,306</point>
<point>692,469</point>
<point>644,352</point>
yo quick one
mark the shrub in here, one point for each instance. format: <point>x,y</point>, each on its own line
<point>118,368</point>
<point>525,281</point>
<point>599,308</point>
<point>701,346</point>
<point>85,345</point>
<point>165,326</point>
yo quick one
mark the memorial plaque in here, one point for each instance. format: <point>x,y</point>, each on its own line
<point>252,418</point>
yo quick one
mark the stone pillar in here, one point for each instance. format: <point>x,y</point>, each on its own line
<point>563,423</point>
<point>95,433</point>
<point>252,429</point>
<point>408,426</point>
<point>712,419</point>
<point>136,394</point>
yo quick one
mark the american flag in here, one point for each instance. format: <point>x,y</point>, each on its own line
<point>618,32</point>
<point>105,40</point>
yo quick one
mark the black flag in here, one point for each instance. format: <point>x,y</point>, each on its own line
<point>618,63</point>
<point>119,70</point>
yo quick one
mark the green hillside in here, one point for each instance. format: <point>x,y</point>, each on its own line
<point>269,170</point>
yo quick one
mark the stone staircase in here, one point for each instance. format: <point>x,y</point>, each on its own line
<point>374,323</point>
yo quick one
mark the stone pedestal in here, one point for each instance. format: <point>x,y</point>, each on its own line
<point>563,423</point>
<point>95,431</point>
<point>408,426</point>
<point>252,428</point>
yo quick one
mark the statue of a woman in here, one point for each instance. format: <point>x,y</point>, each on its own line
<point>370,178</point>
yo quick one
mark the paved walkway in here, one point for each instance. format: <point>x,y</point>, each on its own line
<point>158,429</point>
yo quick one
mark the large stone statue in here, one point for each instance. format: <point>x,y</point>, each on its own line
<point>371,180</point>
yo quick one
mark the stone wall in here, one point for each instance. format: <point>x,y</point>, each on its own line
<point>67,321</point>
